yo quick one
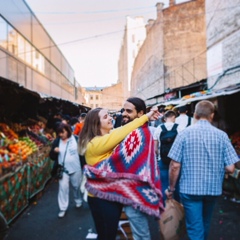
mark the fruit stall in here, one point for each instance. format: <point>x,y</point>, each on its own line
<point>24,167</point>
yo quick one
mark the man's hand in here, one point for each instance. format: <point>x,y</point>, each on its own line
<point>153,114</point>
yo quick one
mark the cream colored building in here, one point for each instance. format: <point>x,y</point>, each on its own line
<point>133,38</point>
<point>93,97</point>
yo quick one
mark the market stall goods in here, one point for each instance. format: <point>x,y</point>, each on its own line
<point>24,166</point>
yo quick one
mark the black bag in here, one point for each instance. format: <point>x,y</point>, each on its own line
<point>166,141</point>
<point>57,170</point>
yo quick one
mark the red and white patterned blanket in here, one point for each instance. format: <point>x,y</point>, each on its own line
<point>130,176</point>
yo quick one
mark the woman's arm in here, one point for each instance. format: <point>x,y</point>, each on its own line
<point>103,144</point>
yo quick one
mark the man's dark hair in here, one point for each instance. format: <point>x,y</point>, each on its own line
<point>182,109</point>
<point>138,103</point>
<point>83,115</point>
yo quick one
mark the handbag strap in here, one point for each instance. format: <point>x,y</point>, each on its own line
<point>65,153</point>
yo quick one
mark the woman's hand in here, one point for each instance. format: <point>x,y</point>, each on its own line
<point>153,114</point>
<point>56,149</point>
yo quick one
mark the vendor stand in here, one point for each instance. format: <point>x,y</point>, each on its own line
<point>24,146</point>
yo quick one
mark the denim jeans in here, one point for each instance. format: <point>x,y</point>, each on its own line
<point>164,175</point>
<point>198,213</point>
<point>138,222</point>
<point>106,215</point>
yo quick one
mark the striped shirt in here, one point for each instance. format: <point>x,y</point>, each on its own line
<point>203,151</point>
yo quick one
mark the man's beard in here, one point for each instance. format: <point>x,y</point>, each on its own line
<point>125,120</point>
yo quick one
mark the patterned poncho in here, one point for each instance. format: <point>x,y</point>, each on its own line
<point>130,175</point>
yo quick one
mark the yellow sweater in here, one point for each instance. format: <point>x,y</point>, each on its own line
<point>101,147</point>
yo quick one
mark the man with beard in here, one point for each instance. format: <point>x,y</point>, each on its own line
<point>134,108</point>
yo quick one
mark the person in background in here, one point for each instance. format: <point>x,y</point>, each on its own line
<point>66,152</point>
<point>183,119</point>
<point>160,120</point>
<point>97,141</point>
<point>164,137</point>
<point>203,154</point>
<point>66,119</point>
<point>118,120</point>
<point>79,126</point>
<point>114,117</point>
<point>73,122</point>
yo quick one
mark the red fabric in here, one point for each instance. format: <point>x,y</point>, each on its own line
<point>131,175</point>
<point>78,128</point>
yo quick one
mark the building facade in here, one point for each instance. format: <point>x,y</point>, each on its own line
<point>93,96</point>
<point>174,51</point>
<point>133,38</point>
<point>29,56</point>
<point>112,97</point>
<point>223,35</point>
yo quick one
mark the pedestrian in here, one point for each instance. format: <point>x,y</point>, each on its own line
<point>164,137</point>
<point>202,153</point>
<point>183,119</point>
<point>106,188</point>
<point>79,125</point>
<point>134,108</point>
<point>77,131</point>
<point>65,148</point>
<point>73,122</point>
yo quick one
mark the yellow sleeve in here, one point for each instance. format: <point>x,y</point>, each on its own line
<point>101,147</point>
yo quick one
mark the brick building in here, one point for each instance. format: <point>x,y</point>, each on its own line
<point>174,51</point>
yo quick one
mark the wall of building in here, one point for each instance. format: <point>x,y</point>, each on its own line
<point>112,97</point>
<point>93,98</point>
<point>184,43</point>
<point>174,51</point>
<point>223,34</point>
<point>148,66</point>
<point>133,38</point>
<point>29,56</point>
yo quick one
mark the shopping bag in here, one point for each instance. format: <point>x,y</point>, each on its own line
<point>172,221</point>
<point>83,189</point>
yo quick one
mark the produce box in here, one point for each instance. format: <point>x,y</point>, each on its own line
<point>14,192</point>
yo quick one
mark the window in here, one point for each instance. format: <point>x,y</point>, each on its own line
<point>3,33</point>
<point>28,52</point>
<point>12,40</point>
<point>91,97</point>
<point>97,97</point>
<point>21,47</point>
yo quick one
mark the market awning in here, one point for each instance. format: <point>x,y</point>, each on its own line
<point>221,92</point>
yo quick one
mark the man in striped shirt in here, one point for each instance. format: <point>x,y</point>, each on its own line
<point>203,153</point>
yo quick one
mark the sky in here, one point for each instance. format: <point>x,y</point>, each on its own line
<point>89,33</point>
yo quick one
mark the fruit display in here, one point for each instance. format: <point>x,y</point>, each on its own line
<point>16,146</point>
<point>24,165</point>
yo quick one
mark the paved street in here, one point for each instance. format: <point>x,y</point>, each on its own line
<point>39,221</point>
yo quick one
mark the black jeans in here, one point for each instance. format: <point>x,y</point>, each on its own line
<point>106,215</point>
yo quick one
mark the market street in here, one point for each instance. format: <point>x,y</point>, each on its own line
<point>39,221</point>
